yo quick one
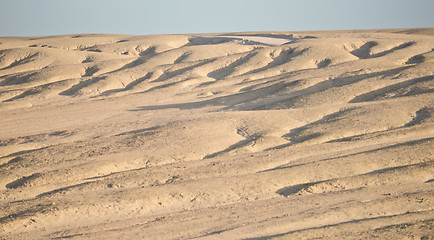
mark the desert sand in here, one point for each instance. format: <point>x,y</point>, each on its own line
<point>267,135</point>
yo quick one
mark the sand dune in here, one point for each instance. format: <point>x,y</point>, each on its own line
<point>218,136</point>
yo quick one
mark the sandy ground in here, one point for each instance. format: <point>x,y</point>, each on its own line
<point>218,136</point>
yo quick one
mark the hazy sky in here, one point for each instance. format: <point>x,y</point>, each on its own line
<point>54,17</point>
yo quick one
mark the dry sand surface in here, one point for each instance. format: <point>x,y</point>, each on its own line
<point>266,135</point>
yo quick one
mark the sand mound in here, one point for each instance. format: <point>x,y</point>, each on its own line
<point>231,136</point>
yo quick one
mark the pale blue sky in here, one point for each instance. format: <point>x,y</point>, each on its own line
<point>55,17</point>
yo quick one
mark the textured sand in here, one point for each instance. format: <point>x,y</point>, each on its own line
<point>218,136</point>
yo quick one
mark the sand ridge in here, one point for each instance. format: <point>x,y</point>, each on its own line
<point>266,135</point>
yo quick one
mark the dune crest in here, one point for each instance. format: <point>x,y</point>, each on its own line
<point>266,135</point>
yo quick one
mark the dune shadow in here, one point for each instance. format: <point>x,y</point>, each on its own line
<point>225,101</point>
<point>291,190</point>
<point>383,92</point>
<point>289,101</point>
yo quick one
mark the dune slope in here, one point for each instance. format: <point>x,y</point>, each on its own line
<point>218,136</point>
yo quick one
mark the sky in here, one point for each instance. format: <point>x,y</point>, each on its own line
<point>142,17</point>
